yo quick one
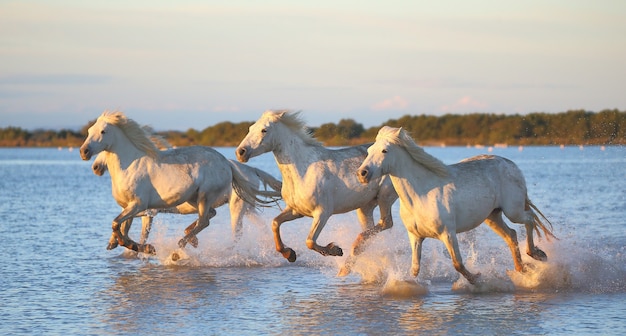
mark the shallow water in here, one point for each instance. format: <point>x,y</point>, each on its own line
<point>58,277</point>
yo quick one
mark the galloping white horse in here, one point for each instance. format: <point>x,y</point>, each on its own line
<point>439,201</point>
<point>317,182</point>
<point>238,207</point>
<point>144,177</point>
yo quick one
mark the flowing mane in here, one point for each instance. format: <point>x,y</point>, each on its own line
<point>293,121</point>
<point>136,134</point>
<point>401,138</point>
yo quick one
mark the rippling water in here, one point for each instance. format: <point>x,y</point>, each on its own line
<point>58,277</point>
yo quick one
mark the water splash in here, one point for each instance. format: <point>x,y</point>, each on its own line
<point>572,266</point>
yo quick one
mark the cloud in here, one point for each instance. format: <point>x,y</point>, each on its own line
<point>54,79</point>
<point>393,103</point>
<point>465,104</point>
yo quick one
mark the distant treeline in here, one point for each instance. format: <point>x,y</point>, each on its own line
<point>579,127</point>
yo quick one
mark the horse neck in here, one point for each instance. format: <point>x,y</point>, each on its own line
<point>121,155</point>
<point>293,154</point>
<point>410,177</point>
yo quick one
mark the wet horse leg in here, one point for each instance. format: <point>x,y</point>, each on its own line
<point>452,244</point>
<point>416,253</point>
<point>319,221</point>
<point>124,228</point>
<point>385,222</point>
<point>205,213</point>
<point>497,224</point>
<point>527,217</point>
<point>532,249</point>
<point>122,238</point>
<point>238,207</point>
<point>193,239</point>
<point>366,214</point>
<point>285,216</point>
<point>146,226</point>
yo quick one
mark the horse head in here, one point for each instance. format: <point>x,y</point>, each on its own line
<point>99,137</point>
<point>111,127</point>
<point>374,164</point>
<point>260,136</point>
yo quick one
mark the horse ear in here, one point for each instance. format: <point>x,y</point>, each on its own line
<point>399,131</point>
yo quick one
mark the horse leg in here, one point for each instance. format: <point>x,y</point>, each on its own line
<point>318,224</point>
<point>384,201</point>
<point>238,208</point>
<point>146,226</point>
<point>527,217</point>
<point>366,218</point>
<point>193,240</point>
<point>385,222</point>
<point>532,249</point>
<point>124,228</point>
<point>122,237</point>
<point>452,244</point>
<point>416,253</point>
<point>285,216</point>
<point>205,213</point>
<point>497,224</point>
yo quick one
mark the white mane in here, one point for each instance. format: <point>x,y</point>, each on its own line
<point>401,138</point>
<point>293,121</point>
<point>135,133</point>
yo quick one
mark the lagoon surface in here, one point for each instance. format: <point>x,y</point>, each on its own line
<point>58,277</point>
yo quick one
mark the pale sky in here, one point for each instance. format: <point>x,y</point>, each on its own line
<point>183,64</point>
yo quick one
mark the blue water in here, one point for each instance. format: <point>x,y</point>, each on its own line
<point>58,277</point>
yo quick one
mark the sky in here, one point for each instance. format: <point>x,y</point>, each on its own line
<point>184,64</point>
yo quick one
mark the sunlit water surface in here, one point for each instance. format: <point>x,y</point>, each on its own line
<point>58,277</point>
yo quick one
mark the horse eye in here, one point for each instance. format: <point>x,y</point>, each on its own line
<point>384,151</point>
<point>264,130</point>
<point>102,132</point>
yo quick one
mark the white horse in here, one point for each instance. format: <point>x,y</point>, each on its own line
<point>237,206</point>
<point>317,182</point>
<point>144,177</point>
<point>439,201</point>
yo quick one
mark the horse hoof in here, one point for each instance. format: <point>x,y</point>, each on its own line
<point>182,243</point>
<point>334,250</point>
<point>538,254</point>
<point>473,279</point>
<point>149,249</point>
<point>111,246</point>
<point>344,271</point>
<point>289,254</point>
<point>194,241</point>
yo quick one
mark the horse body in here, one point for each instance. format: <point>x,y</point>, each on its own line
<point>439,201</point>
<point>238,207</point>
<point>145,177</point>
<point>317,182</point>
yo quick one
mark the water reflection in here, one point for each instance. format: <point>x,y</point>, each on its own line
<point>141,295</point>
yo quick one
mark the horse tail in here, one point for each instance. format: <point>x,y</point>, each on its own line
<point>249,192</point>
<point>538,223</point>
<point>268,180</point>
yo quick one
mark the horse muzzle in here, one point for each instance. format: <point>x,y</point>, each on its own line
<point>363,175</point>
<point>243,155</point>
<point>98,169</point>
<point>85,153</point>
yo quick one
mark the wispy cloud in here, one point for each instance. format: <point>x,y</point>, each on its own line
<point>53,79</point>
<point>393,103</point>
<point>464,104</point>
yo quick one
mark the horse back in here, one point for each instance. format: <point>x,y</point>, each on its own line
<point>490,173</point>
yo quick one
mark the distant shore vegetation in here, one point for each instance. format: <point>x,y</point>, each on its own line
<point>577,127</point>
